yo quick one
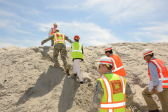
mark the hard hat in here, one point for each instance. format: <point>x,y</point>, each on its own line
<point>108,49</point>
<point>105,60</point>
<point>147,52</point>
<point>76,37</point>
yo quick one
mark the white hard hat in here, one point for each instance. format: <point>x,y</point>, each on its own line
<point>105,60</point>
<point>147,52</point>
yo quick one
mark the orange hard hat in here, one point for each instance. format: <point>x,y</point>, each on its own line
<point>76,37</point>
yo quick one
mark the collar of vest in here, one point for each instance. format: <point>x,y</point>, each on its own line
<point>107,74</point>
<point>151,59</point>
<point>75,42</point>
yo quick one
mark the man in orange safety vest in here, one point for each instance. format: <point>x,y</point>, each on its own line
<point>158,75</point>
<point>118,67</point>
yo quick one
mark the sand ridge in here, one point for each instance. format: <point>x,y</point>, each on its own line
<point>30,83</point>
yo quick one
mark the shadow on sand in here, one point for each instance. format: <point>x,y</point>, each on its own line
<point>45,83</point>
<point>70,88</point>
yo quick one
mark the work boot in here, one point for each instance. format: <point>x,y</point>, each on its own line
<point>67,68</point>
<point>69,77</point>
<point>56,65</point>
<point>67,72</point>
<point>75,74</point>
<point>154,110</point>
<point>81,82</point>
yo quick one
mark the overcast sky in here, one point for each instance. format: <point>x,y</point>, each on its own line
<point>26,22</point>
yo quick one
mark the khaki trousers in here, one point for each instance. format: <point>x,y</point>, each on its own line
<point>163,97</point>
<point>76,68</point>
<point>60,48</point>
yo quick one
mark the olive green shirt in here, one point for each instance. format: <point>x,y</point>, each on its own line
<point>97,95</point>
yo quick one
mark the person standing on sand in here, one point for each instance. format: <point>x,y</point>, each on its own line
<point>52,31</point>
<point>118,67</point>
<point>59,47</point>
<point>109,93</point>
<point>77,56</point>
<point>158,75</point>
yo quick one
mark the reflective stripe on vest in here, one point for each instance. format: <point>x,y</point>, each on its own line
<point>116,69</point>
<point>123,82</point>
<point>114,64</point>
<point>160,69</point>
<point>76,50</point>
<point>79,49</point>
<point>59,38</point>
<point>118,65</point>
<point>164,84</point>
<point>163,79</point>
<point>108,89</point>
<point>162,72</point>
<point>109,94</point>
<point>110,105</point>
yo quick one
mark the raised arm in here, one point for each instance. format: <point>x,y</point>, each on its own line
<point>66,38</point>
<point>46,40</point>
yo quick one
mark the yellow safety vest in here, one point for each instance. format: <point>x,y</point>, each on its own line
<point>58,38</point>
<point>77,50</point>
<point>114,98</point>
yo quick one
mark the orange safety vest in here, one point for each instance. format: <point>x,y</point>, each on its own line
<point>162,71</point>
<point>59,38</point>
<point>118,67</point>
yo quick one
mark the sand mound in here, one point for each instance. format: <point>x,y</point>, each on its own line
<point>30,83</point>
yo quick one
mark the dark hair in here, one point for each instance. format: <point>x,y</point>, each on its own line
<point>152,55</point>
<point>110,51</point>
<point>110,67</point>
<point>76,40</point>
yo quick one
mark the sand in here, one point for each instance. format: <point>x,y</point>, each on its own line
<point>30,83</point>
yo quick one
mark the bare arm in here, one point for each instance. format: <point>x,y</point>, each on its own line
<point>46,40</point>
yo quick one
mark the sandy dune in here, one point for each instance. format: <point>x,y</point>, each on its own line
<point>30,83</point>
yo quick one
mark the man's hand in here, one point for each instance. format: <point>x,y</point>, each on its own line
<point>154,90</point>
<point>42,42</point>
